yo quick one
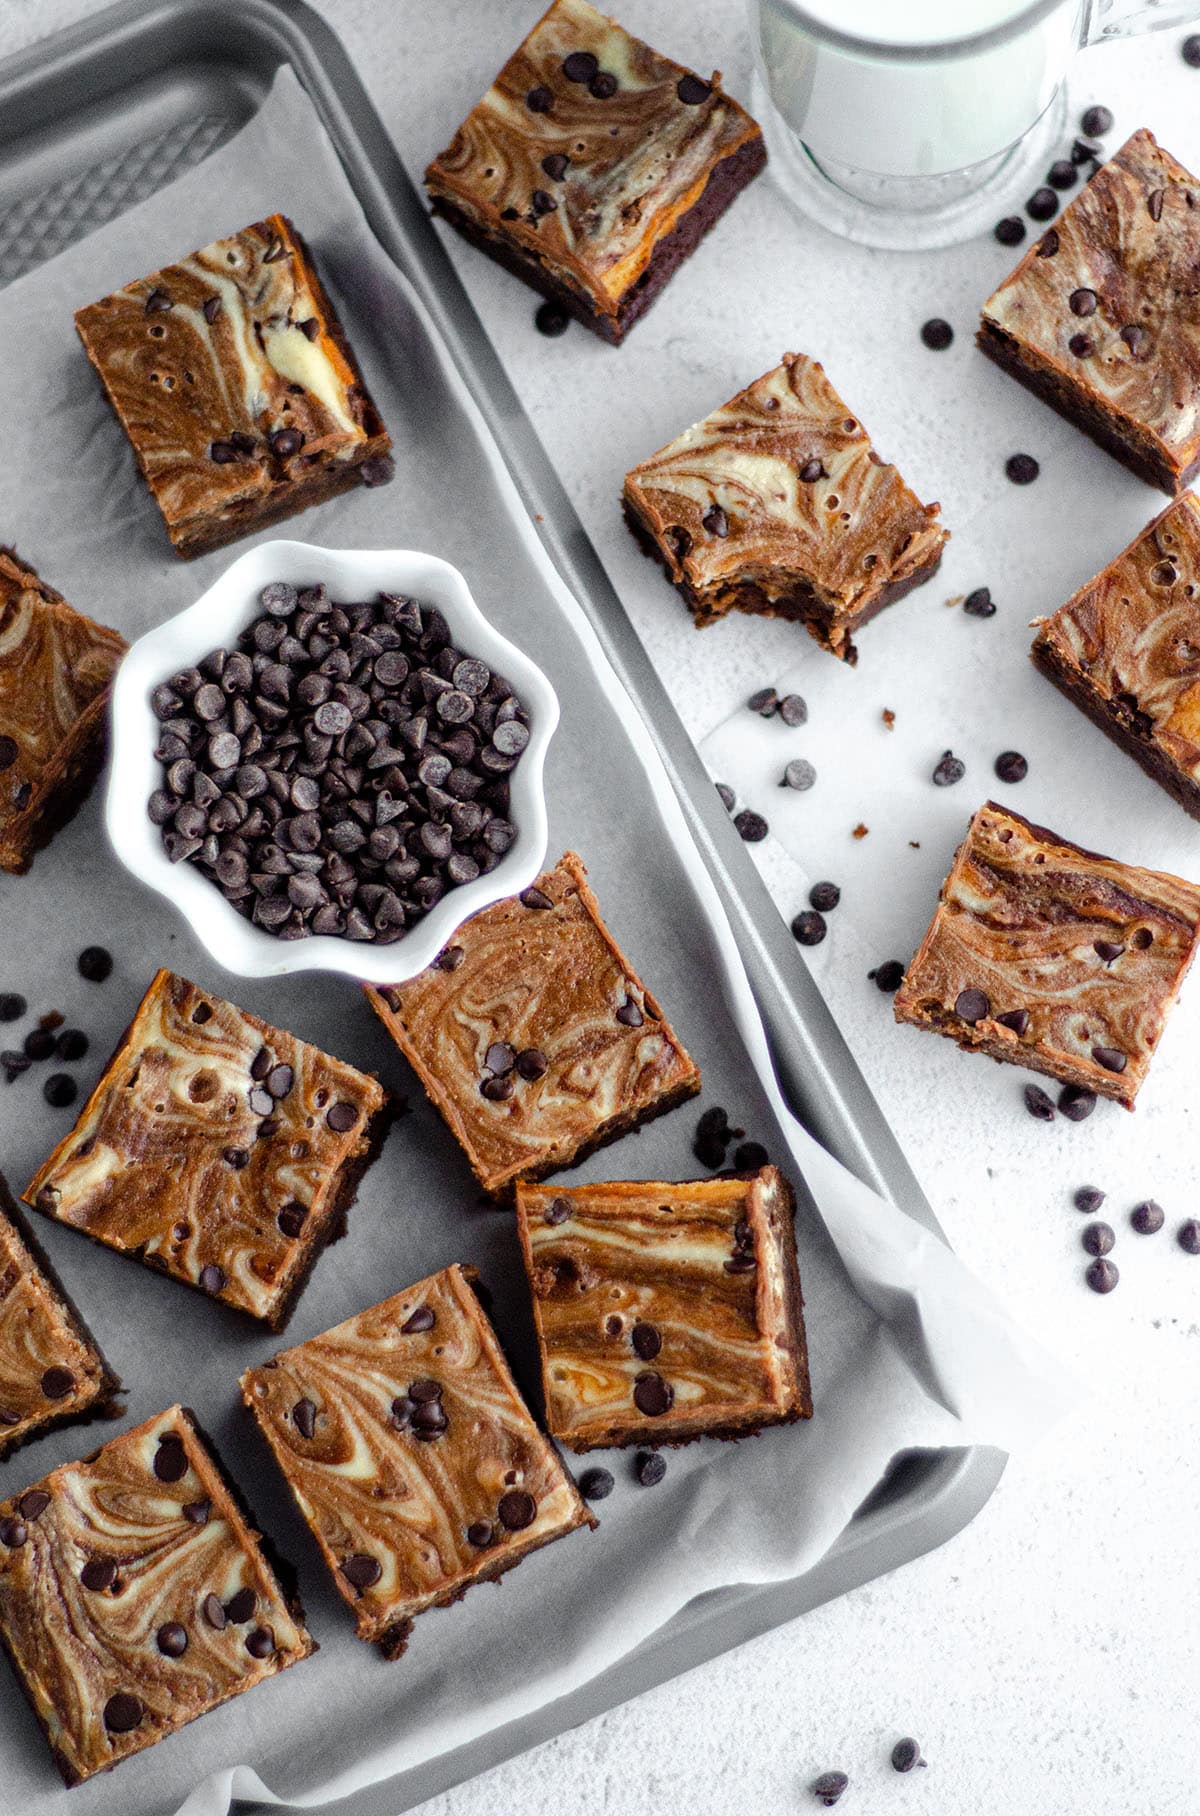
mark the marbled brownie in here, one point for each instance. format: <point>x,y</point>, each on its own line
<point>666,1312</point>
<point>411,1454</point>
<point>594,166</point>
<point>237,388</point>
<point>216,1148</point>
<point>534,1036</point>
<point>56,668</point>
<point>777,504</point>
<point>1049,956</point>
<point>135,1596</point>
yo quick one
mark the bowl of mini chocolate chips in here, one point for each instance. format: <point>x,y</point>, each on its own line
<point>330,761</point>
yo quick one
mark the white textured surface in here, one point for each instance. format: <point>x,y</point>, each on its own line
<point>1048,1657</point>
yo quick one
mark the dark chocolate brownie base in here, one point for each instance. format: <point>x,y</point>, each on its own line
<point>59,804</point>
<point>612,1131</point>
<point>801,606</point>
<point>1016,1053</point>
<point>725,181</point>
<point>1089,413</point>
<point>323,482</point>
<point>1118,722</point>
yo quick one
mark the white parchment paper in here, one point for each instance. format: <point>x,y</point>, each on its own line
<point>908,1349</point>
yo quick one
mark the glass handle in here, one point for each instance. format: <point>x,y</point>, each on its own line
<point>1103,20</point>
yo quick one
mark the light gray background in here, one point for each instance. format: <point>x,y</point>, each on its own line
<point>1048,1659</point>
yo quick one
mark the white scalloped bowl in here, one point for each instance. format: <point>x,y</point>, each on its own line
<point>216,621</point>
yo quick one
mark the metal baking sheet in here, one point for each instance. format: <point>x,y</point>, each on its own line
<point>103,115</point>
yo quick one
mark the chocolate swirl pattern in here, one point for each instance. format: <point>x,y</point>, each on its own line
<point>1052,957</point>
<point>778,504</point>
<point>56,668</point>
<point>1100,318</point>
<point>1126,648</point>
<point>411,1454</point>
<point>587,152</point>
<point>234,382</point>
<point>51,1372</point>
<point>533,1035</point>
<point>216,1148</point>
<point>666,1312</point>
<point>134,1596</point>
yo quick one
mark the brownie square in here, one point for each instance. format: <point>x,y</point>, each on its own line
<point>51,1369</point>
<point>593,166</point>
<point>1126,650</point>
<point>216,1148</point>
<point>666,1312</point>
<point>135,1596</point>
<point>534,1036</point>
<point>1048,956</point>
<point>1100,319</point>
<point>56,668</point>
<point>777,504</point>
<point>411,1454</point>
<point>231,376</point>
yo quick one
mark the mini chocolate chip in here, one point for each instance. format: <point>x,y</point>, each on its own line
<point>1042,205</point>
<point>749,1157</point>
<point>57,1383</point>
<point>629,1014</point>
<point>1081,346</point>
<point>60,1090</point>
<point>652,1395</point>
<point>811,471</point>
<point>1189,50</point>
<point>362,1570</point>
<point>1016,1019</point>
<point>649,1468</point>
<point>542,202</point>
<point>1011,766</point>
<point>596,1484</point>
<point>122,1712</point>
<point>1088,1199</point>
<point>291,1219</point>
<point>1108,950</point>
<point>580,66</point>
<point>212,1278</point>
<point>500,1058</point>
<point>1083,302</point>
<point>1047,246</point>
<point>304,1418</point>
<point>1188,1237</point>
<point>1135,338</point>
<point>937,334</point>
<point>170,1459</point>
<point>603,86</point>
<point>715,521</point>
<point>535,898</point>
<point>1096,121</point>
<point>38,1043</point>
<point>496,1090</point>
<point>824,897</point>
<point>237,1158</point>
<point>1098,1238</point>
<point>556,165</point>
<point>240,1606</point>
<point>172,1639</point>
<point>906,1755</point>
<point>1022,469</point>
<point>95,964</point>
<point>196,1513</point>
<point>421,1320</point>
<point>888,977</point>
<point>481,1534</point>
<point>551,319</point>
<point>692,91</point>
<point>726,795</point>
<point>341,1117</point>
<point>157,301</point>
<point>13,1532</point>
<point>1062,174</point>
<point>33,1503</point>
<point>646,1340</point>
<point>1110,1058</point>
<point>971,1006</point>
<point>12,1006</point>
<point>260,1642</point>
<point>1038,1104</point>
<point>98,1574</point>
<point>517,1509</point>
<point>1154,204</point>
<point>539,100</point>
<point>950,769</point>
<point>279,1081</point>
<point>1102,1276</point>
<point>1010,231</point>
<point>213,1612</point>
<point>557,1211</point>
<point>1148,1217</point>
<point>72,1044</point>
<point>799,774</point>
<point>809,927</point>
<point>751,826</point>
<point>1076,1103</point>
<point>828,1788</point>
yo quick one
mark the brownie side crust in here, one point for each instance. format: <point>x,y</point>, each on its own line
<point>1088,412</point>
<point>725,181</point>
<point>1118,722</point>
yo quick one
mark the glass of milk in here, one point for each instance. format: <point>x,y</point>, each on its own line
<point>913,123</point>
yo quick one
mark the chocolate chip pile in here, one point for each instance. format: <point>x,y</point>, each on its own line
<point>341,769</point>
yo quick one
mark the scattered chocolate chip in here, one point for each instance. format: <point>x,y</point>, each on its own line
<point>95,964</point>
<point>551,319</point>
<point>1042,205</point>
<point>824,896</point>
<point>60,1090</point>
<point>649,1468</point>
<point>906,1755</point>
<point>517,1509</point>
<point>1188,1236</point>
<point>122,1712</point>
<point>1096,121</point>
<point>12,1006</point>
<point>57,1383</point>
<point>1189,50</point>
<point>949,770</point>
<point>765,701</point>
<point>752,827</point>
<point>72,1044</point>
<point>172,1639</point>
<point>418,1322</point>
<point>98,1574</point>
<point>1076,1103</point>
<point>888,977</point>
<point>727,796</point>
<point>652,1395</point>
<point>1102,1276</point>
<point>1148,1217</point>
<point>799,774</point>
<point>749,1157</point>
<point>979,603</point>
<point>1010,231</point>
<point>170,1459</point>
<point>596,1484</point>
<point>1011,766</point>
<point>38,1044</point>
<point>937,334</point>
<point>692,91</point>
<point>829,1787</point>
<point>1062,174</point>
<point>971,1006</point>
<point>1022,469</point>
<point>1098,1238</point>
<point>1088,1199</point>
<point>809,928</point>
<point>304,1418</point>
<point>1038,1104</point>
<point>793,710</point>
